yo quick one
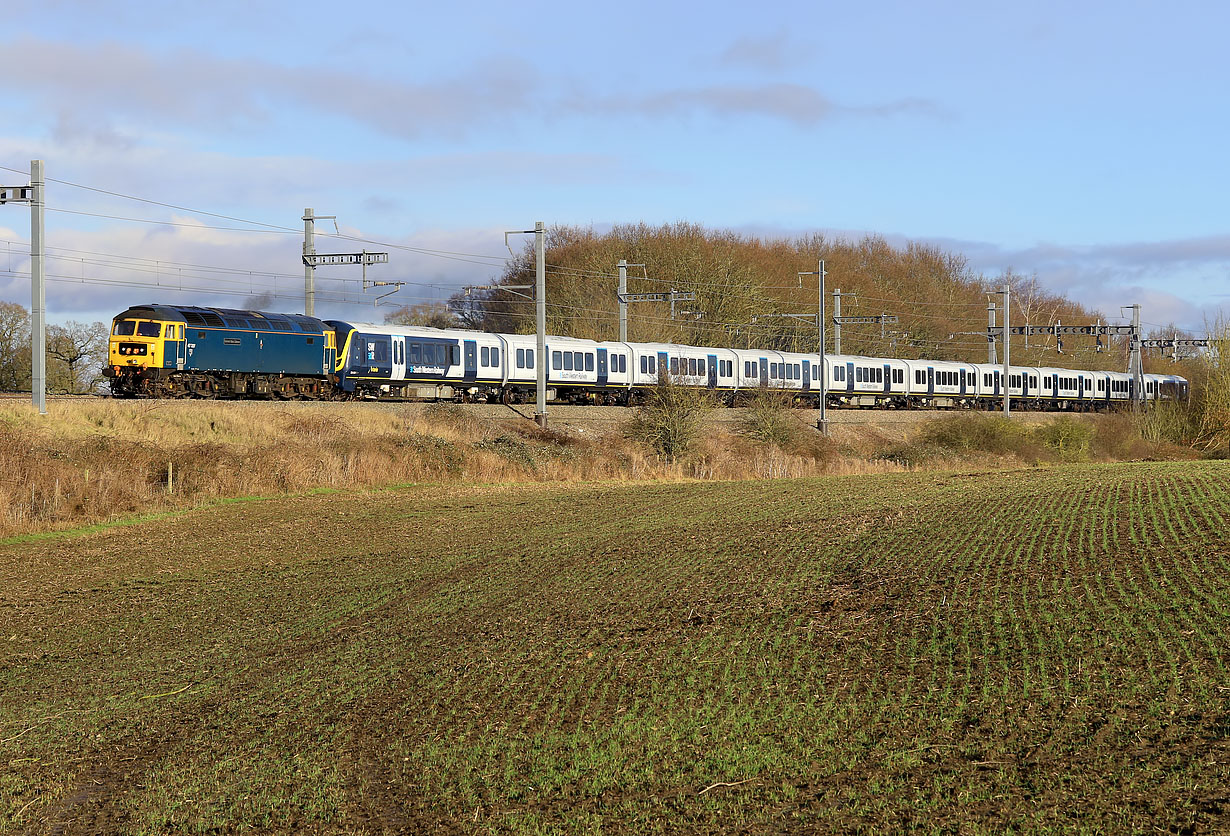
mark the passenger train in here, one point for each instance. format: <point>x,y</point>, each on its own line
<point>179,351</point>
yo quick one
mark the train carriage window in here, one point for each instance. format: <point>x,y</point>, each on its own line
<point>747,368</point>
<point>520,358</point>
<point>589,362</point>
<point>483,356</point>
<point>653,365</point>
<point>495,356</point>
<point>529,358</point>
<point>691,366</point>
<point>568,361</point>
<point>644,364</point>
<point>578,361</point>
<point>557,360</point>
<point>674,366</point>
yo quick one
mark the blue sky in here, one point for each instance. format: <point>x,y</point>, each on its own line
<point>1083,142</point>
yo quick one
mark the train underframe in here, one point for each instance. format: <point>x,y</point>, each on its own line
<point>173,383</point>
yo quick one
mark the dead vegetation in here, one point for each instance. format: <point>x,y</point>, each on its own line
<point>95,461</point>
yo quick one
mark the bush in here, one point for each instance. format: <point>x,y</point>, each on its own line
<point>974,433</point>
<point>672,419</point>
<point>770,418</point>
<point>1169,421</point>
<point>1066,437</point>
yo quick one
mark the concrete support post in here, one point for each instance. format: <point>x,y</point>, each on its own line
<point>1006,290</point>
<point>540,317</point>
<point>1135,365</point>
<point>824,420</point>
<point>991,359</point>
<point>837,320</point>
<point>38,293</point>
<point>622,298</point>
<point>309,272</point>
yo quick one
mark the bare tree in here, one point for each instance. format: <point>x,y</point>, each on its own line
<point>76,352</point>
<point>429,314</point>
<point>14,347</point>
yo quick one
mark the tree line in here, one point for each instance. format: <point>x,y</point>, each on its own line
<point>76,353</point>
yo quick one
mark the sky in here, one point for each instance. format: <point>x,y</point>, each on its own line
<point>1081,142</point>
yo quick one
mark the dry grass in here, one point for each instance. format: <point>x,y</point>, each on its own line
<point>100,460</point>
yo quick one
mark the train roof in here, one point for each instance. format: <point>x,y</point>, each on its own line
<point>226,318</point>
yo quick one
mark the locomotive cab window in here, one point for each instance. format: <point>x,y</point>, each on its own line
<point>149,329</point>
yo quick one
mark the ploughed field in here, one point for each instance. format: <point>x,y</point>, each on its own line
<point>1039,650</point>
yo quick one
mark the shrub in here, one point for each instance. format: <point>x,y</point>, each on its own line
<point>974,433</point>
<point>1068,438</point>
<point>770,418</point>
<point>672,419</point>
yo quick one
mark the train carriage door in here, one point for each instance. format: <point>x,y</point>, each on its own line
<point>712,371</point>
<point>399,358</point>
<point>174,351</point>
<point>602,367</point>
<point>1080,386</point>
<point>930,380</point>
<point>806,374</point>
<point>849,377</point>
<point>961,380</point>
<point>764,371</point>
<point>664,365</point>
<point>888,378</point>
<point>471,360</point>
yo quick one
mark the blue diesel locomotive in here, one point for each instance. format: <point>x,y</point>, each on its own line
<point>176,351</point>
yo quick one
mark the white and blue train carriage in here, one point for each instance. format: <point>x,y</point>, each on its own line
<point>767,368</point>
<point>388,359</point>
<point>867,381</point>
<point>942,383</point>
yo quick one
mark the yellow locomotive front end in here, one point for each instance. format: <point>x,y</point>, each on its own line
<point>144,348</point>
